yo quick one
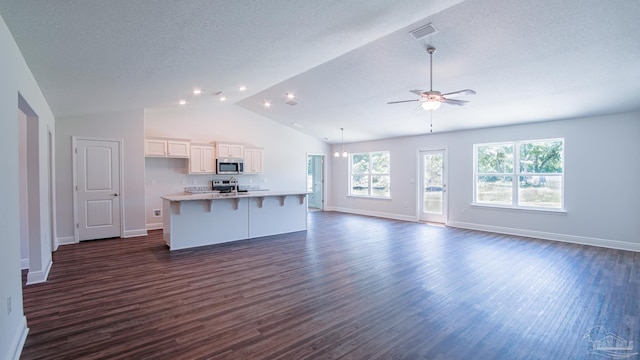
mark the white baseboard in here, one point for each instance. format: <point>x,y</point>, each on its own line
<point>66,240</point>
<point>582,240</point>
<point>155,226</point>
<point>35,277</point>
<point>135,233</point>
<point>18,342</point>
<point>24,264</point>
<point>374,213</point>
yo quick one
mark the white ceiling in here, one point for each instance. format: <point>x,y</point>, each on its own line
<point>344,60</point>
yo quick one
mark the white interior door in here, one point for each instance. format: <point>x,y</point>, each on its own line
<point>433,191</point>
<point>98,198</point>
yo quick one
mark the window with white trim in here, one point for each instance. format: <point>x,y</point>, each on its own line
<point>520,174</point>
<point>370,174</point>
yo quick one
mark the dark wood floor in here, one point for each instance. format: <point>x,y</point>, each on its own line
<point>351,287</point>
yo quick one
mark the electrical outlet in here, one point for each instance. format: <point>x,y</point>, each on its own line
<point>157,212</point>
<point>8,305</point>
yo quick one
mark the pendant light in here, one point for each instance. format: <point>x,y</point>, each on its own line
<point>342,150</point>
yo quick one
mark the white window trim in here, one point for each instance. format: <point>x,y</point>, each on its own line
<point>516,175</point>
<point>370,174</point>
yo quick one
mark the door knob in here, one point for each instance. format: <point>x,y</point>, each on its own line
<point>114,194</point>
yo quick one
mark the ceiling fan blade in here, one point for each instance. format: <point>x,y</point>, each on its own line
<point>417,92</point>
<point>460,93</point>
<point>454,102</point>
<point>402,101</point>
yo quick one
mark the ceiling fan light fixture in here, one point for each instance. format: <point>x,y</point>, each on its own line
<point>431,105</point>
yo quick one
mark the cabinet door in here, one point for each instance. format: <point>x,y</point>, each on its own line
<point>178,149</point>
<point>195,161</point>
<point>208,159</point>
<point>202,160</point>
<point>230,150</point>
<point>155,147</point>
<point>236,151</point>
<point>224,150</point>
<point>253,159</point>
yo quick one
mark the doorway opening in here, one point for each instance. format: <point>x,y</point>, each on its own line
<point>315,182</point>
<point>31,196</point>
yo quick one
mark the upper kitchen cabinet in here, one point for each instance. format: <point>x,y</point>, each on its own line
<point>229,150</point>
<point>253,160</point>
<point>163,147</point>
<point>203,159</point>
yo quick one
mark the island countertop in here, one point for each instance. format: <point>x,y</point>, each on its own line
<point>215,195</point>
<point>192,220</point>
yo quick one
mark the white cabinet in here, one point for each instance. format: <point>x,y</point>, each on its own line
<point>229,150</point>
<point>202,160</point>
<point>159,147</point>
<point>253,160</point>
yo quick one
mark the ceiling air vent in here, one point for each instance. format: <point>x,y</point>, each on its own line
<point>423,31</point>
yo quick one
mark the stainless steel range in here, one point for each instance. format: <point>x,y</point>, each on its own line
<point>225,186</point>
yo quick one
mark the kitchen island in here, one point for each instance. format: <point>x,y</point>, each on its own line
<point>193,220</point>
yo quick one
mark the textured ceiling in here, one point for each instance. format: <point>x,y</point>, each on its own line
<point>344,60</point>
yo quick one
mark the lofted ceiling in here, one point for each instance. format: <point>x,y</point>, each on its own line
<point>344,60</point>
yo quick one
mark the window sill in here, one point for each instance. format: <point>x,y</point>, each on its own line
<point>369,197</point>
<point>522,209</point>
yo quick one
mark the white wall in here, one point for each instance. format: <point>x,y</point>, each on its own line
<point>24,204</point>
<point>128,126</point>
<point>16,78</point>
<point>602,195</point>
<point>285,149</point>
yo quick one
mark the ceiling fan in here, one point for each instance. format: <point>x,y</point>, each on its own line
<point>431,100</point>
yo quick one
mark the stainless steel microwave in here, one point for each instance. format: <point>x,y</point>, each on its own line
<point>229,166</point>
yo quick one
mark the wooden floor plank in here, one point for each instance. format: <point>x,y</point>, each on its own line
<point>350,287</point>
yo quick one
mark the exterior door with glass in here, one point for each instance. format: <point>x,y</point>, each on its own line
<point>315,182</point>
<point>433,186</point>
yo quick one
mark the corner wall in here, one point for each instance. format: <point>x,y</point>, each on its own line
<point>16,80</point>
<point>602,196</point>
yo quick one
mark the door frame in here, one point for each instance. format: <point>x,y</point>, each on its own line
<point>324,178</point>
<point>419,181</point>
<point>74,152</point>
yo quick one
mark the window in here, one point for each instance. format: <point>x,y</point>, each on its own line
<point>370,174</point>
<point>523,174</point>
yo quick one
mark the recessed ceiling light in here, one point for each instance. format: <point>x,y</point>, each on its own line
<point>267,104</point>
<point>242,88</point>
<point>290,95</point>
<point>222,98</point>
<point>296,124</point>
<point>197,91</point>
<point>183,102</point>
